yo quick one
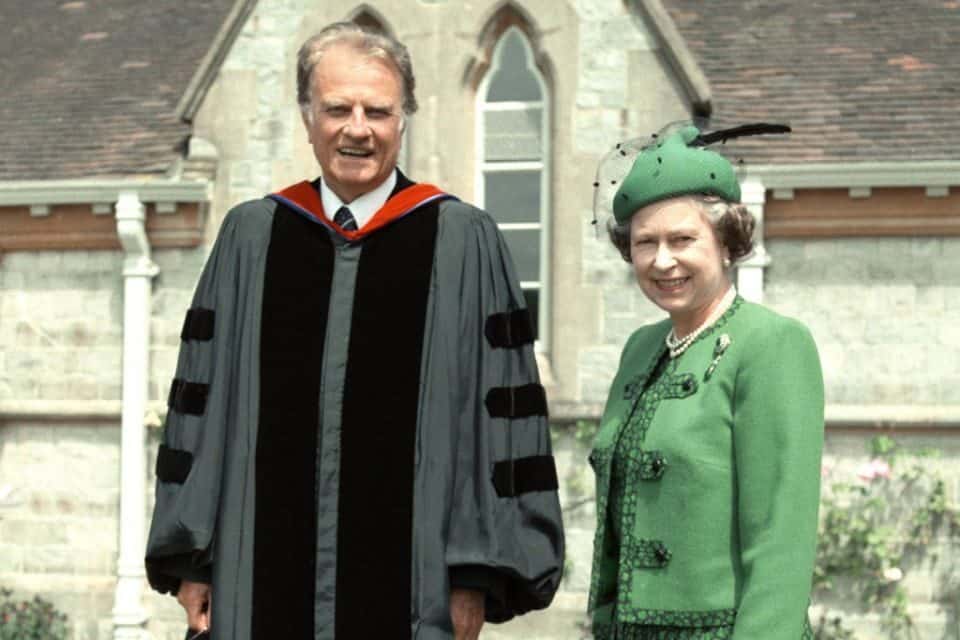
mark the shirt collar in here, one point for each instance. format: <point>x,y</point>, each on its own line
<point>363,207</point>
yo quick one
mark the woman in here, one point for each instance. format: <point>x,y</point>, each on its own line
<point>708,454</point>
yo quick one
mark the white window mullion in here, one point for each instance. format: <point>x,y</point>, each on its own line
<point>511,106</point>
<point>515,165</point>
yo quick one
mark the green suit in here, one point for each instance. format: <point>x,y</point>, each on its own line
<point>708,483</point>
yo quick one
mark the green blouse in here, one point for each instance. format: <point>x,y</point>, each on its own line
<point>708,469</point>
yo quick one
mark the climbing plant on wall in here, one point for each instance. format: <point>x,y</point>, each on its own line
<point>34,619</point>
<point>875,526</point>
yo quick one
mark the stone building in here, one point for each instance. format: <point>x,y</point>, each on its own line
<point>130,128</point>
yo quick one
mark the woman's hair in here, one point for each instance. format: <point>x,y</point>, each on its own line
<point>375,44</point>
<point>732,222</point>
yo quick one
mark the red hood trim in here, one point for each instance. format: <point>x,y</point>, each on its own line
<point>304,198</point>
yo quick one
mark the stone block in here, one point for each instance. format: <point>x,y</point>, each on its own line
<point>949,334</point>
<point>817,251</point>
<point>34,533</point>
<point>579,558</point>
<point>618,327</point>
<point>48,559</point>
<point>949,390</point>
<point>94,561</point>
<point>102,363</point>
<point>596,368</point>
<point>85,532</point>
<point>617,301</point>
<point>26,363</point>
<point>11,280</point>
<point>109,391</point>
<point>11,558</point>
<point>900,393</point>
<point>926,248</point>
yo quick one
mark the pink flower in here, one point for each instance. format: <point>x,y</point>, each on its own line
<point>874,469</point>
<point>825,469</point>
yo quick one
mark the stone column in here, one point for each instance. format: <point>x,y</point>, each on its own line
<point>129,614</point>
<point>750,271</point>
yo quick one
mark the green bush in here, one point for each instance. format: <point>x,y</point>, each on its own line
<point>35,619</point>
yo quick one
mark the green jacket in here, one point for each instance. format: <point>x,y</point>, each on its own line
<point>719,522</point>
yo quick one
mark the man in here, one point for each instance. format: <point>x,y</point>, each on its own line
<point>357,444</point>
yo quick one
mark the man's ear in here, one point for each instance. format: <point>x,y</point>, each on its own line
<point>306,114</point>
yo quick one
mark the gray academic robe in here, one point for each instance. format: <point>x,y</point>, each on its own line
<point>356,424</point>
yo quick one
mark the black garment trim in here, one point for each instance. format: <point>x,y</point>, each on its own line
<point>173,465</point>
<point>637,553</point>
<point>517,402</point>
<point>198,325</point>
<point>657,624</point>
<point>509,330</point>
<point>681,386</point>
<point>652,465</point>
<point>188,397</point>
<point>512,478</point>
<point>296,295</point>
<point>379,428</point>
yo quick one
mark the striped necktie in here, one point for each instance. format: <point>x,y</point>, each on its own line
<point>345,220</point>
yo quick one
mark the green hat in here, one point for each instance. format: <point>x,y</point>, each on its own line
<point>673,167</point>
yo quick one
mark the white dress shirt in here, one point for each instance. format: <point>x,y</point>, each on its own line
<point>363,207</point>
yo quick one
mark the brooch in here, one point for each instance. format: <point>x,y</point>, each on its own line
<point>718,350</point>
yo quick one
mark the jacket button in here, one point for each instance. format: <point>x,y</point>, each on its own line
<point>662,554</point>
<point>658,464</point>
<point>687,384</point>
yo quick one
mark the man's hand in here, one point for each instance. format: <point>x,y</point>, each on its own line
<point>195,598</point>
<point>466,611</point>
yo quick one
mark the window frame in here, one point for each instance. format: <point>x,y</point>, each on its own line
<point>483,167</point>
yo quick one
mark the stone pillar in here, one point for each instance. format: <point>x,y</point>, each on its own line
<point>129,614</point>
<point>750,271</point>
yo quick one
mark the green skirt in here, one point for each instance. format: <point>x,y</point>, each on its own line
<point>648,632</point>
<point>626,631</point>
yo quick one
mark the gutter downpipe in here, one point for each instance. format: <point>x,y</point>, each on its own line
<point>129,614</point>
<point>750,272</point>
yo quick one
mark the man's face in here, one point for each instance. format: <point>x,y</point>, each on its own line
<point>356,121</point>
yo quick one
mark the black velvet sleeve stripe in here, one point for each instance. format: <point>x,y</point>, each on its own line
<point>173,465</point>
<point>523,475</point>
<point>188,397</point>
<point>198,325</point>
<point>509,330</point>
<point>517,402</point>
<point>174,389</point>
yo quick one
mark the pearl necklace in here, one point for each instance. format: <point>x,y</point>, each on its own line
<point>679,345</point>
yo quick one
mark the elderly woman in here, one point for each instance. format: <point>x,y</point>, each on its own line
<point>707,459</point>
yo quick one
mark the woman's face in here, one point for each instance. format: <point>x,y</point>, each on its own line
<point>678,260</point>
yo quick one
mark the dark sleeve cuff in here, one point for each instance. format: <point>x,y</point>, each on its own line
<point>166,573</point>
<point>480,578</point>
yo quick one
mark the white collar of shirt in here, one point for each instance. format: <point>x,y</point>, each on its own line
<point>363,207</point>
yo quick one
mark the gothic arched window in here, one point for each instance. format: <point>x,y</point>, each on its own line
<point>512,176</point>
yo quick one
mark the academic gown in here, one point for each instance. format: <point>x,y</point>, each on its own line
<point>356,424</point>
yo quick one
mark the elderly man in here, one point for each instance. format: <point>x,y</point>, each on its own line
<point>357,443</point>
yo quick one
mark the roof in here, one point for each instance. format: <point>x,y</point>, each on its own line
<point>89,88</point>
<point>858,80</point>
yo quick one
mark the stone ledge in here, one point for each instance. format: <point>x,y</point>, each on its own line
<point>844,416</point>
<point>67,410</point>
<point>837,415</point>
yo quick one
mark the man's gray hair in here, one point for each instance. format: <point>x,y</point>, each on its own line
<point>372,43</point>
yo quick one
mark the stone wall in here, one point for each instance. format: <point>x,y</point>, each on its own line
<point>881,310</point>
<point>61,324</point>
